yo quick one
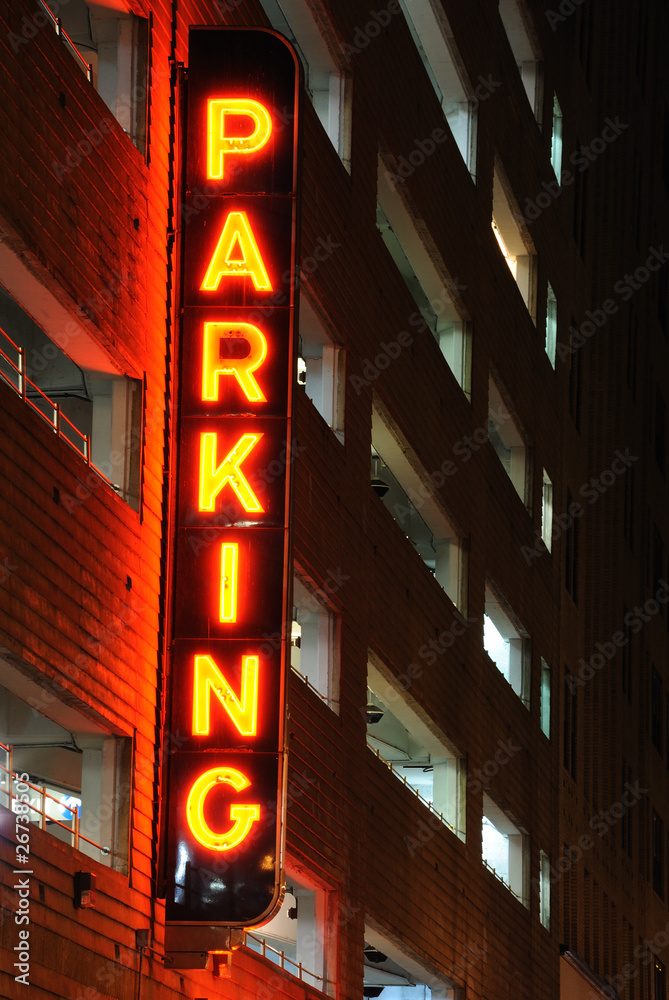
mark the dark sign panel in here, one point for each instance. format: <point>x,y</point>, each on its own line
<point>223,800</point>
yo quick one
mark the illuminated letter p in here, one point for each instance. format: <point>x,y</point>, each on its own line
<point>219,144</point>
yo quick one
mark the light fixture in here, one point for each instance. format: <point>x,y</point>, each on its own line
<point>84,890</point>
<point>380,486</point>
<point>373,955</point>
<point>372,991</point>
<point>142,938</point>
<point>374,714</point>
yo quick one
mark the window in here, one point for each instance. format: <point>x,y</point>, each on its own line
<point>570,720</point>
<point>628,508</point>
<point>516,27</point>
<point>75,775</point>
<point>114,43</point>
<point>545,699</point>
<point>508,443</point>
<point>657,711</point>
<point>660,428</point>
<point>302,936</point>
<point>657,561</point>
<point>432,289</point>
<point>571,553</point>
<point>626,659</point>
<point>547,511</point>
<point>575,363</point>
<point>632,350</point>
<point>551,325</point>
<point>92,407</point>
<point>436,45</point>
<point>324,81</point>
<point>506,645</point>
<point>662,301</point>
<point>425,761</point>
<point>313,643</point>
<point>514,241</point>
<point>394,974</point>
<point>545,890</point>
<point>320,367</point>
<point>579,218</point>
<point>503,849</point>
<point>412,501</point>
<point>658,855</point>
<point>556,139</point>
<point>626,821</point>
<point>659,980</point>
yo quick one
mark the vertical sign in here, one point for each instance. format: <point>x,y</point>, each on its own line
<point>223,799</point>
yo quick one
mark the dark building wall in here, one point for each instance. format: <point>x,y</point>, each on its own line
<point>82,612</point>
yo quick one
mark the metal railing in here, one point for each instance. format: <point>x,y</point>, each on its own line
<point>12,371</point>
<point>500,878</point>
<point>37,806</point>
<point>287,964</point>
<point>407,784</point>
<point>330,702</point>
<point>58,28</point>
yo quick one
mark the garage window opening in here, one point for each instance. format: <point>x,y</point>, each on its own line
<point>72,783</point>
<point>98,413</point>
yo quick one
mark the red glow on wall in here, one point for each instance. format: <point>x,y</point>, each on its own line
<point>231,543</point>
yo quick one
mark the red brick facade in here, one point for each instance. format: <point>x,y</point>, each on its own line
<point>83,575</point>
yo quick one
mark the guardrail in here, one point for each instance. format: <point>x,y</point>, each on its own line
<point>287,964</point>
<point>403,778</point>
<point>12,372</point>
<point>58,28</point>
<point>500,878</point>
<point>37,805</point>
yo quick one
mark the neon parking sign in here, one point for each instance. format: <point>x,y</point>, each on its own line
<point>223,796</point>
